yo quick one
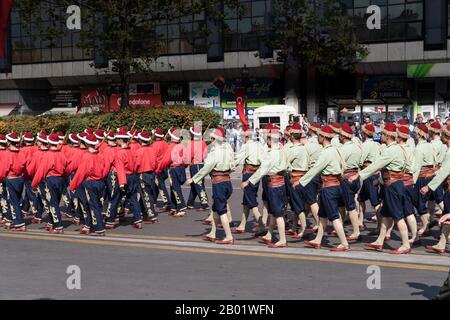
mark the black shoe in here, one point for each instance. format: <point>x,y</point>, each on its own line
<point>260,234</point>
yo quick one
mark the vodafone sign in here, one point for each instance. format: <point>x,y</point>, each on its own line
<point>95,99</point>
<point>141,100</point>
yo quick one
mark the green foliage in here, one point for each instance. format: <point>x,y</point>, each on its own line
<point>150,118</point>
<point>316,33</point>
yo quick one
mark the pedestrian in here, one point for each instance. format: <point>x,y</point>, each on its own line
<point>160,146</point>
<point>145,168</point>
<point>218,164</point>
<point>12,171</point>
<point>197,151</point>
<point>274,166</point>
<point>250,156</point>
<point>90,175</point>
<point>52,169</point>
<point>392,163</point>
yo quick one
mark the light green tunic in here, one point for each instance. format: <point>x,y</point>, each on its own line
<point>370,151</point>
<point>220,158</point>
<point>440,150</point>
<point>274,162</point>
<point>442,174</point>
<point>423,156</point>
<point>330,162</point>
<point>351,154</point>
<point>391,158</point>
<point>251,153</point>
<point>298,158</point>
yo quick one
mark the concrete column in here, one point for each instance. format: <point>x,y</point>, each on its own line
<point>311,94</point>
<point>292,94</point>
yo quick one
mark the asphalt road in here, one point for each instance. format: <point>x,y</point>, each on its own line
<point>170,261</point>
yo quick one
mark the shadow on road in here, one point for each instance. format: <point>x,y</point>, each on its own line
<point>428,292</point>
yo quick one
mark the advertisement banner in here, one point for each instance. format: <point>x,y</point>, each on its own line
<point>258,93</point>
<point>385,87</point>
<point>430,70</point>
<point>65,98</point>
<point>251,103</point>
<point>204,94</point>
<point>232,114</point>
<point>96,100</point>
<point>175,94</point>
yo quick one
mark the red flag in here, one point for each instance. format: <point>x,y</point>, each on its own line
<point>5,9</point>
<point>240,105</point>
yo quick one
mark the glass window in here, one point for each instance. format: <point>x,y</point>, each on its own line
<point>258,8</point>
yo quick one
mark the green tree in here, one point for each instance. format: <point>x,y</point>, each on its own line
<point>124,31</point>
<point>316,33</point>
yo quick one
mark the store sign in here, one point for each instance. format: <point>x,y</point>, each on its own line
<point>232,114</point>
<point>428,70</point>
<point>204,94</point>
<point>385,87</point>
<point>258,94</point>
<point>65,98</point>
<point>175,94</point>
<point>97,100</point>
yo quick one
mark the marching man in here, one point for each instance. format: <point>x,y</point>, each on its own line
<point>274,166</point>
<point>250,156</point>
<point>330,166</point>
<point>218,164</point>
<point>392,161</point>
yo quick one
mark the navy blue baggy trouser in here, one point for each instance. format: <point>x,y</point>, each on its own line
<point>94,193</point>
<point>221,192</point>
<point>177,177</point>
<point>32,201</point>
<point>329,199</point>
<point>161,187</point>
<point>53,192</point>
<point>43,199</point>
<point>197,190</point>
<point>68,197</point>
<point>348,192</point>
<point>131,189</point>
<point>422,200</point>
<point>14,190</point>
<point>82,204</point>
<point>369,190</point>
<point>393,201</point>
<point>250,194</point>
<point>277,199</point>
<point>147,191</point>
<point>3,200</point>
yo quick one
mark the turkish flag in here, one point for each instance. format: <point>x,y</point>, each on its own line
<point>5,9</point>
<point>240,105</point>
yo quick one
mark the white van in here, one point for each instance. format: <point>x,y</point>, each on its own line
<point>275,114</point>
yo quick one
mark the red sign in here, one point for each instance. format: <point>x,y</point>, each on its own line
<point>5,9</point>
<point>96,100</point>
<point>240,105</point>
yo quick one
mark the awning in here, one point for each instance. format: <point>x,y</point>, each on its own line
<point>345,101</point>
<point>7,108</point>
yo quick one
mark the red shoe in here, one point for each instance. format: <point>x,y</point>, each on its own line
<point>237,231</point>
<point>206,222</point>
<point>156,221</point>
<point>350,238</point>
<point>180,214</point>
<point>209,239</point>
<point>35,220</point>
<point>265,241</point>
<point>7,225</point>
<point>312,230</point>
<point>290,232</point>
<point>332,234</point>
<point>96,234</point>
<point>312,244</point>
<point>375,247</point>
<point>76,222</point>
<point>20,229</point>
<point>297,236</point>
<point>224,242</point>
<point>172,212</point>
<point>431,249</point>
<point>56,231</point>
<point>398,251</point>
<point>277,246</point>
<point>138,225</point>
<point>362,227</point>
<point>340,249</point>
<point>85,231</point>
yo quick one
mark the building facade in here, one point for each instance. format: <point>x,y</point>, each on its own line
<point>405,73</point>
